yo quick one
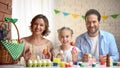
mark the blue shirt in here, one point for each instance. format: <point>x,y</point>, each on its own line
<point>107,45</point>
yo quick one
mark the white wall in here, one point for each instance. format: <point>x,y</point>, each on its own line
<point>105,7</point>
<point>25,10</point>
<point>33,7</point>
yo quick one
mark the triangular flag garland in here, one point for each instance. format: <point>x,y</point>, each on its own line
<point>114,16</point>
<point>83,17</point>
<point>104,17</point>
<point>74,15</point>
<point>65,13</point>
<point>56,11</point>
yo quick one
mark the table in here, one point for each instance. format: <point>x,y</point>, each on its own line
<point>74,66</point>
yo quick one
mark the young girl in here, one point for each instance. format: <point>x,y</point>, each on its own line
<point>70,52</point>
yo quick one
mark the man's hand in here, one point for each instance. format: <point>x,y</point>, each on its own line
<point>102,58</point>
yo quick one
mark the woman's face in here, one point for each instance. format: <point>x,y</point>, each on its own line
<point>65,37</point>
<point>38,26</point>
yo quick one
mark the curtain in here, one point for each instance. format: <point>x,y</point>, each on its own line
<point>25,10</point>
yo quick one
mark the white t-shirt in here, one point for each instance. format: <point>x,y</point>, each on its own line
<point>95,46</point>
<point>67,53</point>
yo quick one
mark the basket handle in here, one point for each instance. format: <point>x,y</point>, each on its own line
<point>17,33</point>
<point>13,21</point>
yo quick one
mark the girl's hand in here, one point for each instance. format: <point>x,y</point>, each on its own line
<point>74,53</point>
<point>59,54</point>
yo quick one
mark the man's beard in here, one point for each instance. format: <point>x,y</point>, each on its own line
<point>89,32</point>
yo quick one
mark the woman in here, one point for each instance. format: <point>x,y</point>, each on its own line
<point>35,44</point>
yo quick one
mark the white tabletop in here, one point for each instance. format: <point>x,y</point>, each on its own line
<point>18,66</point>
<point>74,66</point>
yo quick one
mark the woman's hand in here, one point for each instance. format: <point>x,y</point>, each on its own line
<point>27,54</point>
<point>48,55</point>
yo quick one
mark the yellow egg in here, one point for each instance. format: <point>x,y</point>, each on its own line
<point>89,55</point>
<point>61,51</point>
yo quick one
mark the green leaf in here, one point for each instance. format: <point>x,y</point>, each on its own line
<point>11,20</point>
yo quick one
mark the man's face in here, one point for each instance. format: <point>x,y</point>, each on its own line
<point>92,24</point>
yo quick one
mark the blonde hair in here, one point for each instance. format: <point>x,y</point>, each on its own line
<point>63,28</point>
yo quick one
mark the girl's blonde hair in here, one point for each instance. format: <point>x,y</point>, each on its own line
<point>63,28</point>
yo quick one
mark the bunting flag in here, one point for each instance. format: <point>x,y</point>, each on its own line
<point>56,11</point>
<point>65,13</point>
<point>104,17</point>
<point>74,15</point>
<point>83,17</point>
<point>114,16</point>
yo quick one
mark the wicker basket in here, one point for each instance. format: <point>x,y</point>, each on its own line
<point>5,54</point>
<point>5,57</point>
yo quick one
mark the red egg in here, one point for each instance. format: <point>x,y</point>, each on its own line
<point>72,43</point>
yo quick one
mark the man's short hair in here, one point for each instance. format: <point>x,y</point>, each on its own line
<point>93,11</point>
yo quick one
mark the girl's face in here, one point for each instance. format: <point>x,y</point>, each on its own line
<point>38,26</point>
<point>65,37</point>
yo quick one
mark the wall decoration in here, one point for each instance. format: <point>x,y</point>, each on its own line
<point>104,17</point>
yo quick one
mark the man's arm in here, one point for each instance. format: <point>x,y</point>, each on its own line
<point>113,49</point>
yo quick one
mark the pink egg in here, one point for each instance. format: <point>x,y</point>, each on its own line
<point>74,49</point>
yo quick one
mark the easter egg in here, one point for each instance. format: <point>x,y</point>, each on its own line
<point>72,43</point>
<point>45,51</point>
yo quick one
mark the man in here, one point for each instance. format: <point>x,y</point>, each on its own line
<point>96,42</point>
